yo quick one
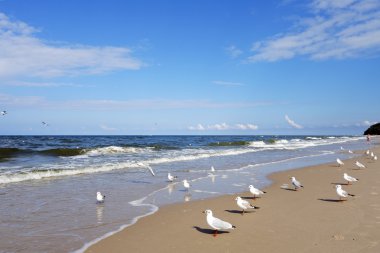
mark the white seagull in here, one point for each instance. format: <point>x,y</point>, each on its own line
<point>375,158</point>
<point>342,193</point>
<point>340,163</point>
<point>100,198</point>
<point>359,165</point>
<point>3,113</point>
<point>212,169</point>
<point>256,192</point>
<point>350,151</point>
<point>171,177</point>
<point>367,152</point>
<point>244,204</point>
<point>296,183</point>
<point>372,154</point>
<point>186,184</point>
<point>349,178</point>
<point>217,224</point>
<point>148,167</point>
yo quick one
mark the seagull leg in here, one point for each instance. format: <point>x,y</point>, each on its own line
<point>242,213</point>
<point>215,233</point>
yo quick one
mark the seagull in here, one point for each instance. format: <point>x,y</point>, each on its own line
<point>171,177</point>
<point>147,166</point>
<point>256,192</point>
<point>100,198</point>
<point>372,154</point>
<point>375,158</point>
<point>212,169</point>
<point>296,183</point>
<point>367,152</point>
<point>350,151</point>
<point>217,224</point>
<point>342,193</point>
<point>186,184</point>
<point>341,148</point>
<point>243,204</point>
<point>3,113</point>
<point>340,163</point>
<point>44,123</point>
<point>349,178</point>
<point>360,165</point>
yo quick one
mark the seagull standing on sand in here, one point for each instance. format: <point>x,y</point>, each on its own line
<point>340,163</point>
<point>367,152</point>
<point>100,198</point>
<point>296,183</point>
<point>217,224</point>
<point>186,184</point>
<point>342,193</point>
<point>244,204</point>
<point>171,177</point>
<point>359,165</point>
<point>256,192</point>
<point>349,178</point>
<point>375,158</point>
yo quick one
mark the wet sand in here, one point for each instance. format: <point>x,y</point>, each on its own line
<point>311,219</point>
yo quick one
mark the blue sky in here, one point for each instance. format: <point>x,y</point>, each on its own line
<point>189,67</point>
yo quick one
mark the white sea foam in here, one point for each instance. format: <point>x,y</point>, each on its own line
<point>115,150</point>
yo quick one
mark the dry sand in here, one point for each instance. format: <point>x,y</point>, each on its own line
<point>308,220</point>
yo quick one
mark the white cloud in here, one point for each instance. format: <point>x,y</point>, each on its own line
<point>107,128</point>
<point>198,127</point>
<point>292,123</point>
<point>23,54</point>
<point>247,126</point>
<point>233,51</point>
<point>230,84</point>
<point>337,29</point>
<point>223,127</point>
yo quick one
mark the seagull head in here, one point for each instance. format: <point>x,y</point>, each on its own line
<point>338,186</point>
<point>238,198</point>
<point>292,178</point>
<point>250,186</point>
<point>207,212</point>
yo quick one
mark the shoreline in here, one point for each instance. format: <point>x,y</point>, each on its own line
<point>182,226</point>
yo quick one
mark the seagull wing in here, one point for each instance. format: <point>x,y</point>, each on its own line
<point>219,224</point>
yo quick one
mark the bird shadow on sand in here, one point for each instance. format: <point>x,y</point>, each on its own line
<point>253,198</point>
<point>289,189</point>
<point>333,200</point>
<point>209,231</point>
<point>340,183</point>
<point>238,211</point>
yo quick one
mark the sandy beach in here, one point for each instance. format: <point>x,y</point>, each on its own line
<point>311,219</point>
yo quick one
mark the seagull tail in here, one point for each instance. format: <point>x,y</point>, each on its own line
<point>256,207</point>
<point>264,192</point>
<point>352,195</point>
<point>233,227</point>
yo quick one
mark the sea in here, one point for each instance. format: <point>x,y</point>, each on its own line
<point>48,184</point>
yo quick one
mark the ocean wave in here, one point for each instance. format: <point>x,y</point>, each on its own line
<point>114,150</point>
<point>175,156</point>
<point>228,143</point>
<point>6,153</point>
